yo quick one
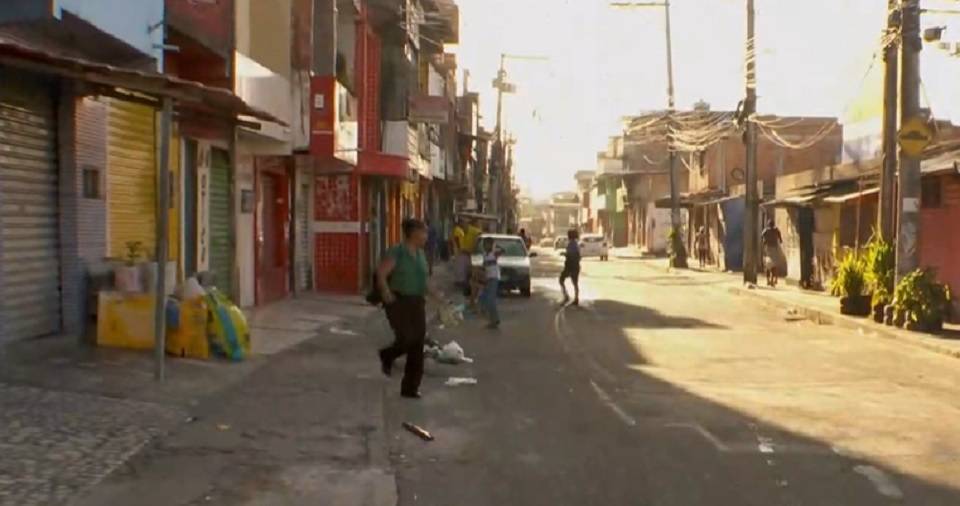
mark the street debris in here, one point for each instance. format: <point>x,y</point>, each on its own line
<point>450,315</point>
<point>223,426</point>
<point>455,381</point>
<point>418,431</point>
<point>793,315</point>
<point>342,332</point>
<point>452,353</point>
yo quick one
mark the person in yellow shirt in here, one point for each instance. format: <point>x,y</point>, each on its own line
<point>456,239</point>
<point>471,235</point>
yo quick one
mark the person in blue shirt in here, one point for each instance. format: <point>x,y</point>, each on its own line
<point>571,267</point>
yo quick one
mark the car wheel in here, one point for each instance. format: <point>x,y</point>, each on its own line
<point>525,291</point>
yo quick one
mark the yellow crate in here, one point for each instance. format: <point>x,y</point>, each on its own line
<point>125,320</point>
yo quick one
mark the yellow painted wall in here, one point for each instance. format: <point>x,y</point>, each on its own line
<point>131,177</point>
<point>176,193</point>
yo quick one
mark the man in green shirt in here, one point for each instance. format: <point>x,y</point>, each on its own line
<point>402,280</point>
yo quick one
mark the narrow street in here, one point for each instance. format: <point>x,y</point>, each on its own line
<point>658,390</point>
<point>661,391</point>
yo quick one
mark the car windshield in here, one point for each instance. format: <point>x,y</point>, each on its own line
<point>512,247</point>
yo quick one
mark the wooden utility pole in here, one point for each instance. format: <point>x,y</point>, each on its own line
<point>909,175</point>
<point>751,233</point>
<point>888,173</point>
<point>679,259</point>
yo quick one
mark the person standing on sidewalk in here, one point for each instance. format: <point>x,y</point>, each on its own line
<point>491,286</point>
<point>773,258</point>
<point>402,279</point>
<point>571,267</point>
<point>703,246</point>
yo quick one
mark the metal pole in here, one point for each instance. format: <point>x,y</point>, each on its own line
<point>888,176</point>
<point>679,259</point>
<point>909,175</point>
<point>752,218</point>
<point>163,209</point>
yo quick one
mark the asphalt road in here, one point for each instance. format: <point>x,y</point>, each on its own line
<point>661,390</point>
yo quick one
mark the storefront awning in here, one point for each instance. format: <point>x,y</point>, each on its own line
<point>839,199</point>
<point>691,199</point>
<point>211,100</point>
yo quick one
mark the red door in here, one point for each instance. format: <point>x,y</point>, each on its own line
<point>273,248</point>
<point>338,233</point>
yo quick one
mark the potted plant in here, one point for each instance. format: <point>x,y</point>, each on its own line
<point>880,263</point>
<point>923,302</point>
<point>850,285</point>
<point>127,276</point>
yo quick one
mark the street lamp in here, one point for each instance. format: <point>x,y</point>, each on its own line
<point>679,258</point>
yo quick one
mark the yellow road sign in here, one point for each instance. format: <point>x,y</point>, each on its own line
<point>914,137</point>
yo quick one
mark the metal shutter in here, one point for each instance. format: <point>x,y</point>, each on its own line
<point>29,231</point>
<point>304,230</point>
<point>221,226</point>
<point>131,177</point>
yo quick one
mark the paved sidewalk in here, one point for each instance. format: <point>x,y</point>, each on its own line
<point>70,414</point>
<point>824,309</point>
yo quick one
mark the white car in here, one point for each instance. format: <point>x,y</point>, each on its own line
<point>594,245</point>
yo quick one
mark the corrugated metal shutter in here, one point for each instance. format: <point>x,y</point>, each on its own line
<point>221,226</point>
<point>29,231</point>
<point>131,177</point>
<point>304,230</point>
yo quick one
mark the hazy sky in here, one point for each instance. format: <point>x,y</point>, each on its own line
<point>606,63</point>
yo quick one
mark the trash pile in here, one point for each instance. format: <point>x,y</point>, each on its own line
<point>450,353</point>
<point>449,315</point>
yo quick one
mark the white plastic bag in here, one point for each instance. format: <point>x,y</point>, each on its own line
<point>455,382</point>
<point>451,352</point>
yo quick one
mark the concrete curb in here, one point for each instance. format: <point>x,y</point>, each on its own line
<point>863,325</point>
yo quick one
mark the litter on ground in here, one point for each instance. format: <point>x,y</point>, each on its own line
<point>455,382</point>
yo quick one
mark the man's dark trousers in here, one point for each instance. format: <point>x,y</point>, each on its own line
<point>408,319</point>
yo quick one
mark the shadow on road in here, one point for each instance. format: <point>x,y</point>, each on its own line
<point>625,315</point>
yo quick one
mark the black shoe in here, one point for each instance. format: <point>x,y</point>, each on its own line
<point>411,395</point>
<point>385,365</point>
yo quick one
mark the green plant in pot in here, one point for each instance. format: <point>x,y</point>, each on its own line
<point>850,284</point>
<point>880,264</point>
<point>923,302</point>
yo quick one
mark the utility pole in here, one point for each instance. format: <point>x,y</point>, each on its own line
<point>163,214</point>
<point>891,80</point>
<point>679,259</point>
<point>498,153</point>
<point>909,175</point>
<point>752,218</point>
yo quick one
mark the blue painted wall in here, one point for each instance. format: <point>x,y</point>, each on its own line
<point>127,20</point>
<point>733,213</point>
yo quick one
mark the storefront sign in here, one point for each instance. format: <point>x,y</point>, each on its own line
<point>429,109</point>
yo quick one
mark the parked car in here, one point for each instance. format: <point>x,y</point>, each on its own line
<point>560,243</point>
<point>514,262</point>
<point>546,242</point>
<point>594,245</point>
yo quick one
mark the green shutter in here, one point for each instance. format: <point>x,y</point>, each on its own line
<point>221,226</point>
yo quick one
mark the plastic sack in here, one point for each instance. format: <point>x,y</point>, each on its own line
<point>452,353</point>
<point>173,315</point>
<point>227,328</point>
<point>192,289</point>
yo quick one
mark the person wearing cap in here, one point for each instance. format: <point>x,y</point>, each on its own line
<point>402,280</point>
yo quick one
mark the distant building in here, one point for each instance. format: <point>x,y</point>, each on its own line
<point>564,213</point>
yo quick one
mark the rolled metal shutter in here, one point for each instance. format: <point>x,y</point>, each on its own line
<point>221,226</point>
<point>131,177</point>
<point>304,230</point>
<point>29,210</point>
